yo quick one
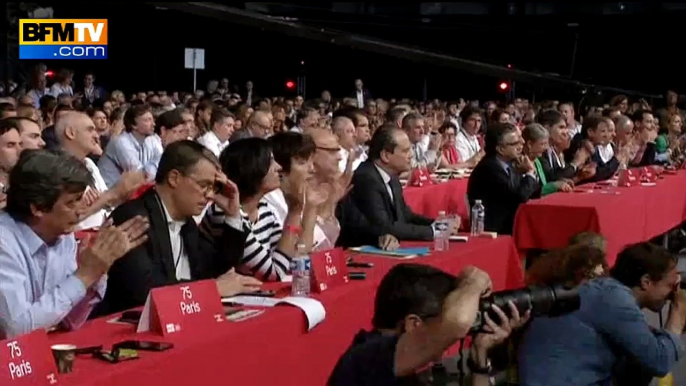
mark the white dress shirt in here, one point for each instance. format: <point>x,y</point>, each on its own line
<point>212,142</point>
<point>360,99</point>
<point>386,180</point>
<point>97,218</point>
<point>57,90</point>
<point>181,264</point>
<point>467,145</point>
<point>606,152</point>
<point>343,163</point>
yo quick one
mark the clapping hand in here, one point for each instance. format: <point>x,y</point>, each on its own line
<point>129,183</point>
<point>90,197</point>
<point>315,196</point>
<point>97,253</point>
<point>227,197</point>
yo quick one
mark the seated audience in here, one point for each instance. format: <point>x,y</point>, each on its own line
<point>128,151</point>
<point>595,136</point>
<point>44,279</point>
<point>414,127</point>
<point>450,157</point>
<point>170,126</point>
<point>419,313</point>
<point>30,132</point>
<point>176,251</point>
<point>467,138</point>
<point>268,248</point>
<point>259,125</point>
<point>503,179</point>
<point>553,161</point>
<point>377,191</point>
<point>536,140</point>
<point>220,130</point>
<point>584,347</point>
<point>77,136</point>
<point>645,130</point>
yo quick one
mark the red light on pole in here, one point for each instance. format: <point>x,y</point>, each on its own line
<point>503,86</point>
<point>49,73</point>
<point>290,85</point>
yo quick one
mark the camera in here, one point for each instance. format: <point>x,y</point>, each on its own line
<point>542,301</point>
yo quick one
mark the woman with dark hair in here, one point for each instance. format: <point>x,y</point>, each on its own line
<point>249,163</point>
<point>294,152</point>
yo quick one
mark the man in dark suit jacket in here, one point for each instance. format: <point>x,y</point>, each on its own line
<point>361,94</point>
<point>503,179</point>
<point>377,192</point>
<point>176,250</point>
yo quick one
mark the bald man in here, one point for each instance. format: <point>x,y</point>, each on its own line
<point>77,135</point>
<point>344,129</point>
<point>259,125</point>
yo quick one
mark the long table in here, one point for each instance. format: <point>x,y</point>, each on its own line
<point>274,348</point>
<point>449,196</point>
<point>623,215</point>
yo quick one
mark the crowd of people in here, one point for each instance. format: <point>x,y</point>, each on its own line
<point>167,187</point>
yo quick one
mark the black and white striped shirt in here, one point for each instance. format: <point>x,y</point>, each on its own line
<point>261,258</point>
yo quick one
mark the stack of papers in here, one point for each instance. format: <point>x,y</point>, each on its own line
<point>313,309</point>
<point>400,253</point>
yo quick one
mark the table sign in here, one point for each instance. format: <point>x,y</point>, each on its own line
<point>329,269</point>
<point>27,360</point>
<point>420,177</point>
<point>627,178</point>
<point>188,306</point>
<point>648,174</point>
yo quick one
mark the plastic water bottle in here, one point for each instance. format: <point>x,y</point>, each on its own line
<point>478,215</point>
<point>300,269</point>
<point>441,232</point>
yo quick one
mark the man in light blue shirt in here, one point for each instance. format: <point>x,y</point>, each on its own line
<point>43,280</point>
<point>129,151</point>
<point>586,347</point>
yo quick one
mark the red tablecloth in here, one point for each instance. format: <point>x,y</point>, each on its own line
<point>633,215</point>
<point>448,196</point>
<point>273,348</point>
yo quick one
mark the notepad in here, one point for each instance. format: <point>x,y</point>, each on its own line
<point>402,253</point>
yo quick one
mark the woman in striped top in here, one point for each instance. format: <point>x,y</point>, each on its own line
<point>250,165</point>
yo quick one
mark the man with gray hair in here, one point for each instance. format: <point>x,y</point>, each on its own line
<point>414,126</point>
<point>344,129</point>
<point>45,280</point>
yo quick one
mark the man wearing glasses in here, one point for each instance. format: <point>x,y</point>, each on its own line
<point>187,180</point>
<point>259,125</point>
<point>503,179</point>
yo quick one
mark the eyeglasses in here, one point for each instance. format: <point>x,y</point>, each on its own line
<point>329,149</point>
<point>205,186</point>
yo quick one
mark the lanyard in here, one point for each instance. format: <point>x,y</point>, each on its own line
<point>474,149</point>
<point>176,259</point>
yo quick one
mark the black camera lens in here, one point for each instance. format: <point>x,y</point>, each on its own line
<point>542,301</point>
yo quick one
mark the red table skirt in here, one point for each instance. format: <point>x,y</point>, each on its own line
<point>623,215</point>
<point>273,348</point>
<point>448,196</point>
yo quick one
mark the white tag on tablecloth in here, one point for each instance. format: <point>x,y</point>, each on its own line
<point>144,322</point>
<point>313,309</point>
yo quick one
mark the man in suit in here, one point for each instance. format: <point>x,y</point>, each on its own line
<point>90,92</point>
<point>503,179</point>
<point>361,94</point>
<point>377,192</point>
<point>259,125</point>
<point>176,251</point>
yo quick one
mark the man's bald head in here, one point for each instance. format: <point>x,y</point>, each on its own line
<point>340,124</point>
<point>260,123</point>
<point>623,123</point>
<point>323,138</point>
<point>69,119</point>
<point>76,134</point>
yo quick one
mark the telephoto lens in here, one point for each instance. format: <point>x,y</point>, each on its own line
<point>542,301</point>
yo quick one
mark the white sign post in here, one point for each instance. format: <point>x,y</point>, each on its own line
<point>195,60</point>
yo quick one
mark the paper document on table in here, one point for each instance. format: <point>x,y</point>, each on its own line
<point>254,301</point>
<point>313,309</point>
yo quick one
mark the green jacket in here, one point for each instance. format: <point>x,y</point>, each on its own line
<point>548,187</point>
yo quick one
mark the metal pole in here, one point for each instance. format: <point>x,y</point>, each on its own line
<point>576,45</point>
<point>195,72</point>
<point>425,90</point>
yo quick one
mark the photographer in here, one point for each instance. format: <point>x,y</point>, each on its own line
<point>419,313</point>
<point>584,347</point>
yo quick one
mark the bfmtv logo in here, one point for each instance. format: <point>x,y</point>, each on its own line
<point>63,39</point>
